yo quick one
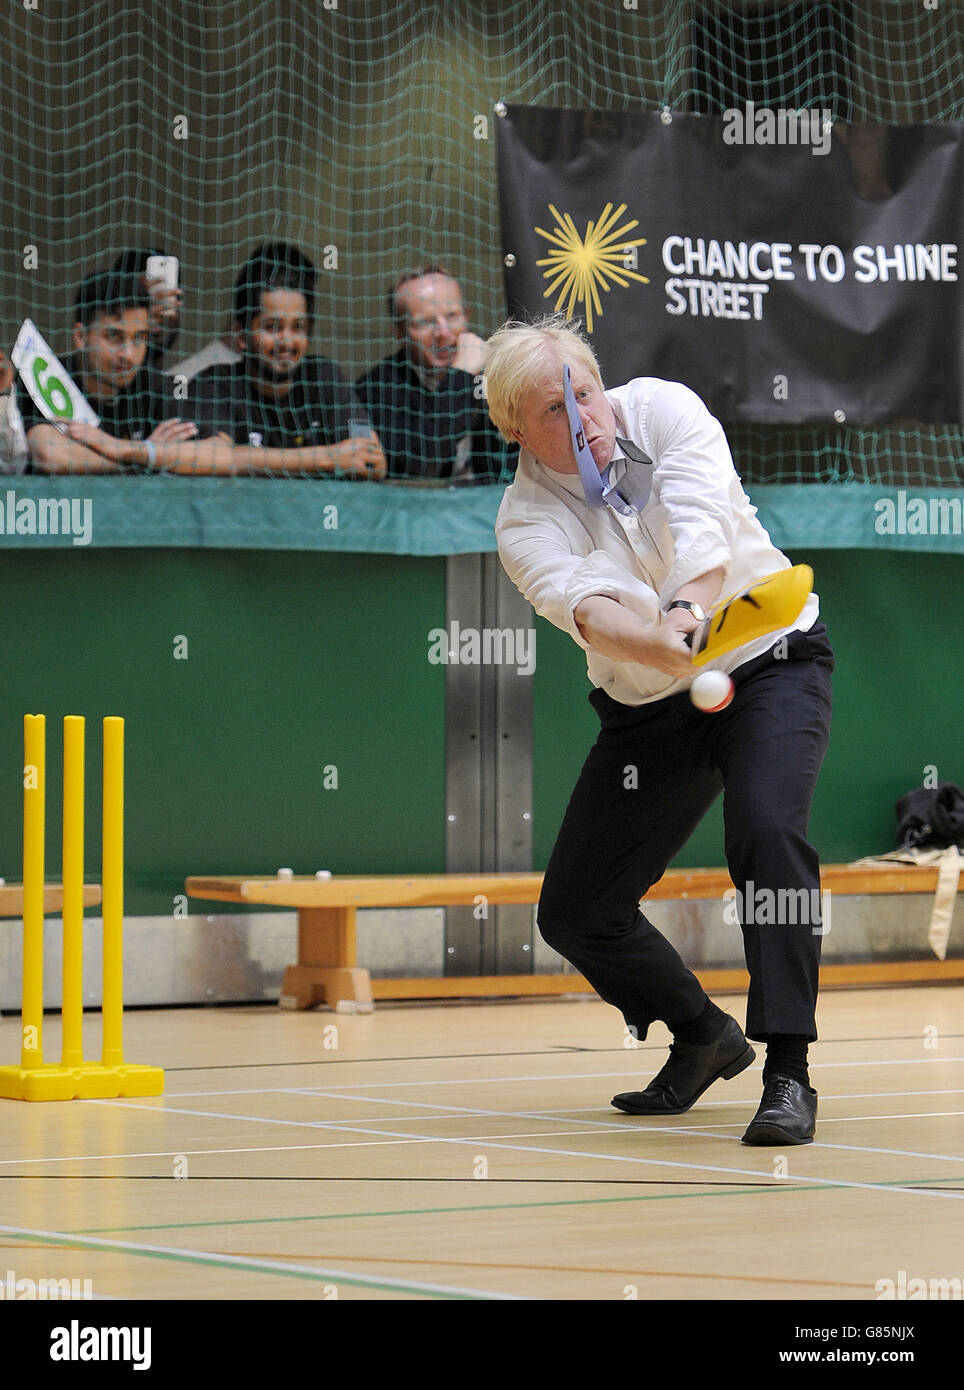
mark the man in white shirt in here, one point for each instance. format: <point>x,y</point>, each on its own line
<point>628,574</point>
<point>14,454</point>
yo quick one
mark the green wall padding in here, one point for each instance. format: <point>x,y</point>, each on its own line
<point>295,663</point>
<point>395,519</point>
<point>301,662</point>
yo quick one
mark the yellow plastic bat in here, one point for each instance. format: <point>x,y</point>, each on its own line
<point>766,606</point>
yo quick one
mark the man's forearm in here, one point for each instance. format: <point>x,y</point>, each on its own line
<point>615,632</point>
<point>349,458</point>
<point>53,452</point>
<point>704,590</point>
<point>612,630</point>
<point>194,456</point>
<point>310,458</point>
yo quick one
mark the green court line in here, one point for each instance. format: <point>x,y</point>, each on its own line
<point>777,1186</point>
<point>250,1267</point>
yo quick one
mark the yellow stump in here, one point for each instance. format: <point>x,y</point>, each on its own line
<point>112,878</point>
<point>72,1007</point>
<point>74,1079</point>
<point>34,822</point>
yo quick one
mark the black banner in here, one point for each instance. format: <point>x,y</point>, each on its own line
<point>788,271</point>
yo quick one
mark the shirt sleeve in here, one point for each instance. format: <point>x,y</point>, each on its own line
<point>14,455</point>
<point>538,557</point>
<point>696,484</point>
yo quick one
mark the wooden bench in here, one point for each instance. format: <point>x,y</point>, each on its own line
<point>11,898</point>
<point>327,971</point>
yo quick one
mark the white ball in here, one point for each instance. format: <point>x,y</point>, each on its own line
<point>286,873</point>
<point>323,874</point>
<point>711,691</point>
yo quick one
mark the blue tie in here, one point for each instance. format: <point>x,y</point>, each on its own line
<point>592,483</point>
<point>598,489</point>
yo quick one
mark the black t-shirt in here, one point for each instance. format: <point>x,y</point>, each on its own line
<point>317,409</point>
<point>444,433</point>
<point>133,413</point>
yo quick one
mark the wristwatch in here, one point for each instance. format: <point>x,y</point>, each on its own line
<point>693,608</point>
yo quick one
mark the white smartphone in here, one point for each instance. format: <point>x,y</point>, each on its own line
<point>164,269</point>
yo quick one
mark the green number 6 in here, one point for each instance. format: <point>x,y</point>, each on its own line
<point>53,391</point>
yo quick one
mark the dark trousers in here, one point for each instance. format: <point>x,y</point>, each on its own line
<point>649,779</point>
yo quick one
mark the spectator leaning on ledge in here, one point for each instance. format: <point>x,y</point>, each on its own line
<point>284,411</point>
<point>426,399</point>
<point>142,426</point>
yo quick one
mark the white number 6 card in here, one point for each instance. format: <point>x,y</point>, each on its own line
<point>45,377</point>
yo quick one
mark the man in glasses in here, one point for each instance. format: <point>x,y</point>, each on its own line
<point>426,400</point>
<point>625,523</point>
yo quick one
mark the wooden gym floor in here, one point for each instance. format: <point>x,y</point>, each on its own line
<point>468,1151</point>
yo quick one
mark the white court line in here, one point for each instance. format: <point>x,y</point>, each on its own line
<point>352,1127</point>
<point>907,1115</point>
<point>847,1148</point>
<point>561,1111</point>
<point>686,1129</point>
<point>824,1096</point>
<point>575,1109</point>
<point>455,1111</point>
<point>385,1140</point>
<point>841,1120</point>
<point>254,1265</point>
<point>179,1153</point>
<point>547,1076</point>
<point>498,1141</point>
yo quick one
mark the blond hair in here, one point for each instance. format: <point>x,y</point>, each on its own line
<point>517,357</point>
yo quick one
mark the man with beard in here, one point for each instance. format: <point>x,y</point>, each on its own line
<point>284,411</point>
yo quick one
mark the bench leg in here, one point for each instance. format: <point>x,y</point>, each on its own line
<point>348,991</point>
<point>326,972</point>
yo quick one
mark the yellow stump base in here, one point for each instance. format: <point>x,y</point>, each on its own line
<point>89,1081</point>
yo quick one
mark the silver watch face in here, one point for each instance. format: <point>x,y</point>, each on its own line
<point>694,608</point>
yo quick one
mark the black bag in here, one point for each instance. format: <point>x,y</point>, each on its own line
<point>931,816</point>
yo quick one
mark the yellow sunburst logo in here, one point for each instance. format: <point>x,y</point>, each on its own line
<point>580,266</point>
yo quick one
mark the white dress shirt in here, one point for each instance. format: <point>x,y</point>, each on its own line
<point>14,451</point>
<point>693,517</point>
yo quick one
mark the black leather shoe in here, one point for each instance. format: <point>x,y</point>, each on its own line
<point>690,1070</point>
<point>787,1114</point>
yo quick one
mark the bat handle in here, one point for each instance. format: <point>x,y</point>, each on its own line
<point>696,640</point>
